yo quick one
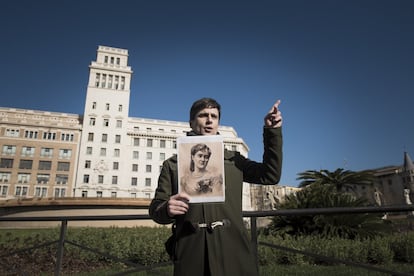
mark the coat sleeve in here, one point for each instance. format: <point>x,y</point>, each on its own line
<point>270,169</point>
<point>166,182</point>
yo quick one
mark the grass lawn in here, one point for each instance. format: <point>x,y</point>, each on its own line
<point>285,270</point>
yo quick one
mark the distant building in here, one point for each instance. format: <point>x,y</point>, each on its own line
<point>39,152</point>
<point>268,197</point>
<point>102,153</point>
<point>394,185</point>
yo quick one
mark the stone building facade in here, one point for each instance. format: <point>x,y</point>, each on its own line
<point>101,153</point>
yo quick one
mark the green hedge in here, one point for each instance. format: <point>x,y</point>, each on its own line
<point>145,246</point>
<point>380,250</point>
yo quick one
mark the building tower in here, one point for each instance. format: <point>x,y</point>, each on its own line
<point>408,175</point>
<point>103,132</point>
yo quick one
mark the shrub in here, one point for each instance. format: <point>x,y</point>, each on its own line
<point>403,247</point>
<point>267,255</point>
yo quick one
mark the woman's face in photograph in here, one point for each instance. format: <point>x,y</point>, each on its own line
<point>200,159</point>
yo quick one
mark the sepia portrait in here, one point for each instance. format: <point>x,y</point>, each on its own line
<point>201,168</point>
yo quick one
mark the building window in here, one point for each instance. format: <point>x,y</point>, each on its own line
<point>92,121</point>
<point>106,122</point>
<point>9,150</point>
<point>113,194</point>
<point>5,177</point>
<point>42,178</point>
<point>94,105</point>
<point>40,192</point>
<point>103,152</point>
<point>3,190</point>
<point>118,61</point>
<point>116,82</point>
<point>49,136</point>
<point>135,154</point>
<point>117,139</point>
<point>115,166</point>
<point>114,179</point>
<point>118,123</point>
<point>103,84</point>
<point>12,133</point>
<point>28,151</point>
<point>90,137</point>
<point>31,134</point>
<point>112,60</point>
<point>99,194</point>
<point>87,164</point>
<point>104,138</point>
<point>45,165</point>
<point>120,107</point>
<point>46,152</point>
<point>133,195</point>
<point>162,143</point>
<point>162,156</point>
<point>100,179</point>
<point>117,152</point>
<point>149,143</point>
<point>65,153</point>
<point>134,181</point>
<point>89,150</point>
<point>60,192</point>
<point>97,78</point>
<point>110,81</point>
<point>6,163</point>
<point>136,142</point>
<point>63,166</point>
<point>21,191</point>
<point>122,83</point>
<point>84,193</point>
<point>85,178</point>
<point>174,145</point>
<point>148,168</point>
<point>18,190</point>
<point>134,167</point>
<point>67,137</point>
<point>149,155</point>
<point>148,182</point>
<point>23,178</point>
<point>107,106</point>
<point>25,164</point>
<point>62,179</point>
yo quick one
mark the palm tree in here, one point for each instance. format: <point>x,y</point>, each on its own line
<point>348,226</point>
<point>342,180</point>
<point>325,189</point>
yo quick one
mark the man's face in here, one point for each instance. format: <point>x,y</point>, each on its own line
<point>206,122</point>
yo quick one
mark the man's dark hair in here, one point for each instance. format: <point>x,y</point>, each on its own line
<point>204,103</point>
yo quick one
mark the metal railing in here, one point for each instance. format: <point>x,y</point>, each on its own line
<point>253,215</point>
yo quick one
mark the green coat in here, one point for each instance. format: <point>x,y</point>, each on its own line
<point>225,249</point>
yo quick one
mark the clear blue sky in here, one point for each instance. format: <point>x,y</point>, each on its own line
<point>344,70</point>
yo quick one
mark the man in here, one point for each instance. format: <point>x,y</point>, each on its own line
<point>210,238</point>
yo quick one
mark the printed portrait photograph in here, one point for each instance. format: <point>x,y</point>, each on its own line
<point>201,168</point>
